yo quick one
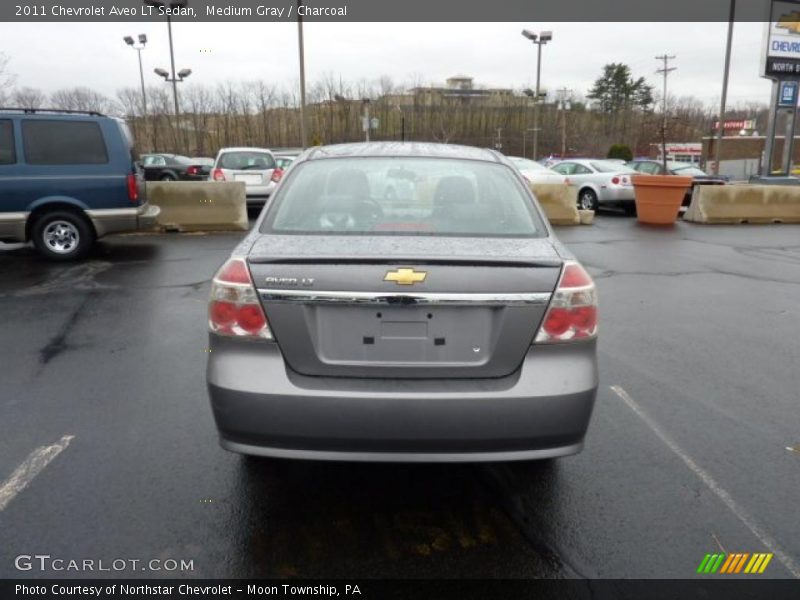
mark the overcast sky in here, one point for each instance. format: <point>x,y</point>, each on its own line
<point>55,55</point>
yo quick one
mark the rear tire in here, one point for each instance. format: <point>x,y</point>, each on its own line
<point>166,178</point>
<point>62,235</point>
<point>587,199</point>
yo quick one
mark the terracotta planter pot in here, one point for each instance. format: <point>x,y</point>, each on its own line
<point>659,197</point>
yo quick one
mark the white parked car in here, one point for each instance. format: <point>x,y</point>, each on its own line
<point>253,166</point>
<point>535,172</point>
<point>599,182</point>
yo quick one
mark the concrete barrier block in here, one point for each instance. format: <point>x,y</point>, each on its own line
<point>199,205</point>
<point>558,202</point>
<point>744,204</point>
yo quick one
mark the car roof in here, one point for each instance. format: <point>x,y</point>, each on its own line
<point>404,149</point>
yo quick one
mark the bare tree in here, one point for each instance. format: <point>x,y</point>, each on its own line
<point>28,97</point>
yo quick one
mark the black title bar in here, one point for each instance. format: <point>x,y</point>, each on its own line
<point>531,11</point>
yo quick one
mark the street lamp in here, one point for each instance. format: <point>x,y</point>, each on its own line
<point>540,40</point>
<point>142,43</point>
<point>171,5</point>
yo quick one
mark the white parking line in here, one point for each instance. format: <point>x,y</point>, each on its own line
<point>706,478</point>
<point>33,465</point>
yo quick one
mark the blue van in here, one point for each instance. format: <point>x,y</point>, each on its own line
<point>66,179</point>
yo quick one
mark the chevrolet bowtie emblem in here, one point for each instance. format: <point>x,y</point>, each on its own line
<point>405,276</point>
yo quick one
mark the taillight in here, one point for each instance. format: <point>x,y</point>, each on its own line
<point>572,314</point>
<point>133,188</point>
<point>234,309</point>
<point>218,175</point>
<point>615,180</point>
<point>276,175</point>
<point>192,170</point>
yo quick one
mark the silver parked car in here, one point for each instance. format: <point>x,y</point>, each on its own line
<point>600,182</point>
<point>254,166</point>
<point>450,327</point>
<point>534,172</point>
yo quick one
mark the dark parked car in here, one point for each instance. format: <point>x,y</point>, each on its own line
<point>700,177</point>
<point>67,178</point>
<point>450,327</point>
<point>174,167</point>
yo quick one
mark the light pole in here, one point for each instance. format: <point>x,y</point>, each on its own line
<point>175,78</point>
<point>142,43</point>
<point>301,52</point>
<point>540,40</point>
<point>723,101</point>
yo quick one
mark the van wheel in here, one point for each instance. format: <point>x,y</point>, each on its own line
<point>167,177</point>
<point>62,235</point>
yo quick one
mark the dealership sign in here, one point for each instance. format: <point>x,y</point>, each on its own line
<point>781,59</point>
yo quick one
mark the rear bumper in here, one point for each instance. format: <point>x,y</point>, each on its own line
<point>540,411</point>
<point>621,195</point>
<point>117,220</point>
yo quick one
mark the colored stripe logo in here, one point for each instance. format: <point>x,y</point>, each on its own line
<point>732,564</point>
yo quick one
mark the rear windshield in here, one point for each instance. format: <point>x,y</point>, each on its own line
<point>606,166</point>
<point>403,196</point>
<point>246,161</point>
<point>684,169</point>
<point>528,165</point>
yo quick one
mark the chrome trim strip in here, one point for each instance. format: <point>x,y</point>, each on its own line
<point>111,213</point>
<point>400,298</point>
<point>13,217</point>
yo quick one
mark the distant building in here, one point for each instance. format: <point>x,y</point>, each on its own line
<point>458,88</point>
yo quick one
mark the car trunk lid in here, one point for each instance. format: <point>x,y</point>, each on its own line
<point>449,308</point>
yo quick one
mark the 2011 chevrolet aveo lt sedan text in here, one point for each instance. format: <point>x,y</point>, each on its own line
<point>443,324</point>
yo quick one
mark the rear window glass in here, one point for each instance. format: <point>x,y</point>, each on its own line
<point>246,161</point>
<point>403,196</point>
<point>8,155</point>
<point>605,166</point>
<point>52,142</point>
<point>128,136</point>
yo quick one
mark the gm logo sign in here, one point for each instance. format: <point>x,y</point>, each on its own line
<point>788,95</point>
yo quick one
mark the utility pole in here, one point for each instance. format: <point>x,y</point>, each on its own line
<point>665,71</point>
<point>564,106</point>
<point>721,127</point>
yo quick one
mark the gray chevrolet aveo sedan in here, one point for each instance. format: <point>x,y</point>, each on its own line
<point>402,302</point>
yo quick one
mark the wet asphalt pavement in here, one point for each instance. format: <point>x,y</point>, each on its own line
<point>695,450</point>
